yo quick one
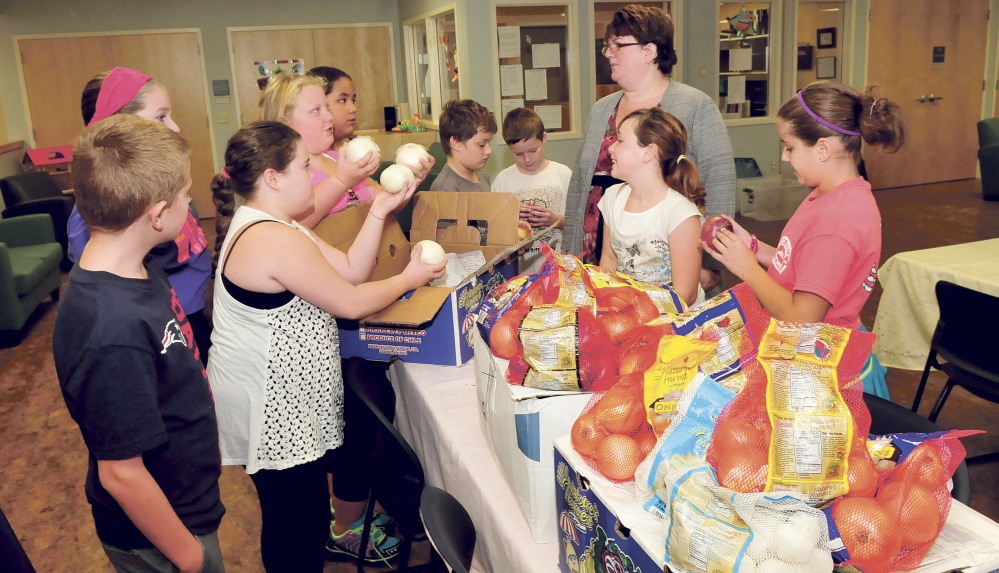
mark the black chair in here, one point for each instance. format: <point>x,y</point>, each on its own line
<point>449,527</point>
<point>12,556</point>
<point>37,192</point>
<point>890,418</point>
<point>397,477</point>
<point>969,353</point>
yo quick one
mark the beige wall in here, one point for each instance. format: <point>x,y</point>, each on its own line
<point>813,16</point>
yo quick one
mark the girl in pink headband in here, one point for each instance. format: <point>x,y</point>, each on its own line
<point>825,265</point>
<point>186,260</point>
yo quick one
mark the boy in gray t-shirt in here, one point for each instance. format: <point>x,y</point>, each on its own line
<point>466,129</point>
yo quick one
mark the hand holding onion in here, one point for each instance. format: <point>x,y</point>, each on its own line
<point>419,271</point>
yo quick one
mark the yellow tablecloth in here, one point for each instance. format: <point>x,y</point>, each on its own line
<point>908,312</point>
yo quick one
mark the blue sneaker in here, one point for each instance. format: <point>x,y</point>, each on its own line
<point>381,551</point>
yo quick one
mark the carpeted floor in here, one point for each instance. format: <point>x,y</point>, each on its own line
<point>44,459</point>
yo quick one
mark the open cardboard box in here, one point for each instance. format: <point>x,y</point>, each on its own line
<point>431,325</point>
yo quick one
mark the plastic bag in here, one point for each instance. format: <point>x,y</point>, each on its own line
<point>684,443</point>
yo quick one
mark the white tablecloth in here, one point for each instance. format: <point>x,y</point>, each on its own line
<point>908,312</point>
<point>437,411</point>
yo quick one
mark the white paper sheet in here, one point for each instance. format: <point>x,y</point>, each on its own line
<point>536,84</point>
<point>545,55</point>
<point>551,116</point>
<point>512,80</point>
<point>459,266</point>
<point>740,59</point>
<point>507,105</point>
<point>509,41</point>
<point>736,89</point>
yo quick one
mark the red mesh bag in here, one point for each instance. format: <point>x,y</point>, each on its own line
<point>612,433</point>
<point>893,530</point>
<point>800,418</point>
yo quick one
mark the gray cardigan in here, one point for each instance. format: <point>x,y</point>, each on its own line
<point>708,146</point>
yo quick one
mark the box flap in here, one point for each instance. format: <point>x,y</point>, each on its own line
<point>454,219</point>
<point>419,308</point>
<point>340,230</point>
<point>49,155</point>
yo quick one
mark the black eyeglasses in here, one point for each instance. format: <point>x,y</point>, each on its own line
<point>613,47</point>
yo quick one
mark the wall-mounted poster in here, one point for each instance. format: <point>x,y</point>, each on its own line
<point>825,68</point>
<point>826,37</point>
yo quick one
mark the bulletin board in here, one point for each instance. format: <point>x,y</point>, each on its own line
<point>534,63</point>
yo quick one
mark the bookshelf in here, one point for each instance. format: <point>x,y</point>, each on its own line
<point>744,60</point>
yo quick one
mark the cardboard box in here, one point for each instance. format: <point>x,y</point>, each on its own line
<point>770,198</point>
<point>431,325</point>
<point>602,522</point>
<point>58,161</point>
<point>521,426</point>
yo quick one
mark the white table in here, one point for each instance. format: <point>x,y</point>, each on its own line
<point>908,311</point>
<point>437,411</point>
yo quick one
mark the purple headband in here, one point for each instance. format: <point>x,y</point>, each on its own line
<point>119,87</point>
<point>815,116</point>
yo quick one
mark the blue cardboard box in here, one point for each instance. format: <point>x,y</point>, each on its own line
<point>603,529</point>
<point>431,325</point>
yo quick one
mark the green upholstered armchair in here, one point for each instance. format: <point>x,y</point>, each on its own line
<point>29,271</point>
<point>988,157</point>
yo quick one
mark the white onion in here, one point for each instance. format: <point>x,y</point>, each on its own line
<point>395,177</point>
<point>774,566</point>
<point>821,562</point>
<point>797,540</point>
<point>410,154</point>
<point>432,253</point>
<point>359,147</point>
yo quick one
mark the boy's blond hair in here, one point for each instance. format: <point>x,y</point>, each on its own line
<point>462,119</point>
<point>281,95</point>
<point>522,124</point>
<point>124,164</point>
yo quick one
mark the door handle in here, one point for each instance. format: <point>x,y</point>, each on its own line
<point>934,98</point>
<point>922,99</point>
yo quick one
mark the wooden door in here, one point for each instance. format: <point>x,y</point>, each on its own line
<point>365,53</point>
<point>55,72</point>
<point>174,60</point>
<point>250,46</point>
<point>942,141</point>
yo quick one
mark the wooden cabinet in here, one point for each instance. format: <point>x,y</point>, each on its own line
<point>55,71</point>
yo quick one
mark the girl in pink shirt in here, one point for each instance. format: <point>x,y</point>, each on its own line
<point>825,265</point>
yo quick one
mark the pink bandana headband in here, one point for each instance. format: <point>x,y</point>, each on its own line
<point>120,86</point>
<point>815,116</point>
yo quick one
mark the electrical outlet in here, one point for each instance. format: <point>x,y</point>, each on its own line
<point>223,117</point>
<point>773,166</point>
<point>704,71</point>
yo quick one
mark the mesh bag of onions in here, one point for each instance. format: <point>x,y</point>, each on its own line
<point>893,529</point>
<point>800,423</point>
<point>712,528</point>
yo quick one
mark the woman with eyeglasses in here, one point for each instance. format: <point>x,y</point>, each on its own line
<point>639,46</point>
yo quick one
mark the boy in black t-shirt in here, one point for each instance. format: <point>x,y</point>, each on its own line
<point>126,358</point>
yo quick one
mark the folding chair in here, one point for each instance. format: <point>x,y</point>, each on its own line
<point>449,527</point>
<point>963,339</point>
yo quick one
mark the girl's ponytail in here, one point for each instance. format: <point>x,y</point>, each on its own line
<point>881,121</point>
<point>686,178</point>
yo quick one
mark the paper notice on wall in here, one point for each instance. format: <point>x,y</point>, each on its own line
<point>551,116</point>
<point>512,80</point>
<point>736,89</point>
<point>509,41</point>
<point>740,59</point>
<point>507,105</point>
<point>536,84</point>
<point>545,55</point>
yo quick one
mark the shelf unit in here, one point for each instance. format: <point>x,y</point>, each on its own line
<point>755,81</point>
